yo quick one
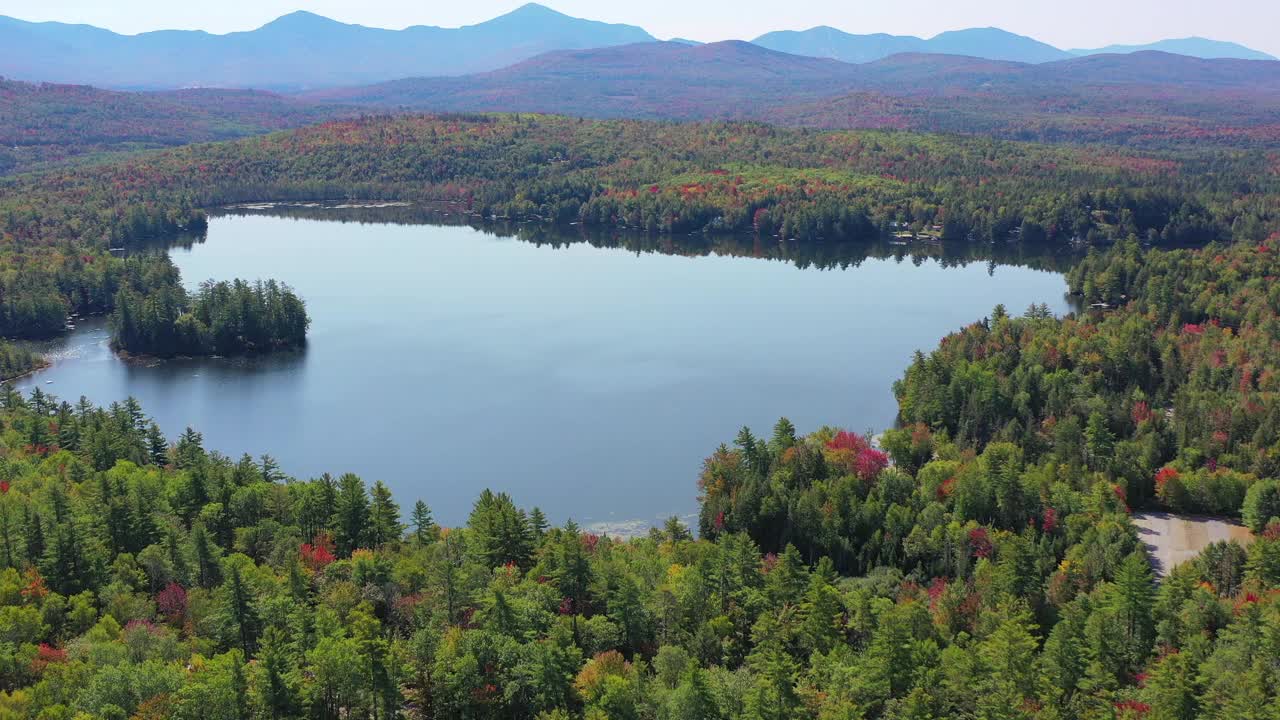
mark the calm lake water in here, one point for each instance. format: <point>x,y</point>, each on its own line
<point>586,379</point>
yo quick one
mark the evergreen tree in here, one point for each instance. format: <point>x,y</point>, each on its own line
<point>773,695</point>
<point>351,518</point>
<point>538,523</point>
<point>692,699</point>
<point>276,682</point>
<point>205,556</point>
<point>1130,600</point>
<point>241,613</point>
<point>189,451</point>
<point>499,532</point>
<point>157,445</point>
<point>425,530</point>
<point>384,517</point>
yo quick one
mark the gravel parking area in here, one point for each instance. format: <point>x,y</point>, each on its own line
<point>1174,539</point>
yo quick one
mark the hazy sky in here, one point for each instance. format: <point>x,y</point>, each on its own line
<point>1065,23</point>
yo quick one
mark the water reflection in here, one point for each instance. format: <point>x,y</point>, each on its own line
<point>833,255</point>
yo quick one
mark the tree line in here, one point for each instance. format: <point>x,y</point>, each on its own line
<point>651,177</point>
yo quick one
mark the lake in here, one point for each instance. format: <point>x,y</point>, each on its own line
<point>587,378</point>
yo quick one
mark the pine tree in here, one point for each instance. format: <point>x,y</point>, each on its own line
<point>500,532</point>
<point>425,530</point>
<point>8,534</point>
<point>68,430</point>
<point>276,690</point>
<point>692,699</point>
<point>64,564</point>
<point>1130,600</point>
<point>350,515</point>
<point>271,470</point>
<point>774,694</point>
<point>1099,442</point>
<point>676,531</point>
<point>205,554</point>
<point>448,570</point>
<point>157,445</point>
<point>241,615</point>
<point>385,525</point>
<point>1011,676</point>
<point>189,451</point>
<point>821,610</point>
<point>575,575</point>
<point>33,534</point>
<point>538,523</point>
<point>133,410</point>
<point>787,580</point>
<point>1065,653</point>
<point>784,436</point>
<point>1171,688</point>
<point>176,555</point>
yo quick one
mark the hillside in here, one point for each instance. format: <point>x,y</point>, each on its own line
<point>1148,97</point>
<point>669,80</point>
<point>47,122</point>
<point>300,50</point>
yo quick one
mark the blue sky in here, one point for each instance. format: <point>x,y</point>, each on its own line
<point>1078,23</point>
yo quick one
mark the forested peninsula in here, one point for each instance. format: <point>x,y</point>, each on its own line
<point>980,561</point>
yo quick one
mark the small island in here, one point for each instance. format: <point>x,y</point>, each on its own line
<point>155,316</point>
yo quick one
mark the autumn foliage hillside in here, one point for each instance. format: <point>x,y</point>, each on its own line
<point>1152,98</point>
<point>47,122</point>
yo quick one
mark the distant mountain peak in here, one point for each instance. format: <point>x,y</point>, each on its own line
<point>1194,46</point>
<point>301,18</point>
<point>990,43</point>
<point>533,8</point>
<point>301,23</point>
<point>529,12</point>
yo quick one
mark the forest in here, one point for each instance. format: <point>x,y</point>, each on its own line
<point>1167,385</point>
<point>707,178</point>
<point>154,315</point>
<point>16,360</point>
<point>46,123</point>
<point>977,561</point>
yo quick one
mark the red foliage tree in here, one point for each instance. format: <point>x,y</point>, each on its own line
<point>172,602</point>
<point>318,553</point>
<point>980,543</point>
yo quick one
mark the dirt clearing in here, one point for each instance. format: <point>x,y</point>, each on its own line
<point>1174,539</point>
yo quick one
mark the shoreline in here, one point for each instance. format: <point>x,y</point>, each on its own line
<point>42,365</point>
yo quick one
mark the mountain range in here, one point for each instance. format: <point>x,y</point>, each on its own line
<point>1143,96</point>
<point>303,51</point>
<point>987,43</point>
<point>669,80</point>
<point>300,50</point>
<point>1192,46</point>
